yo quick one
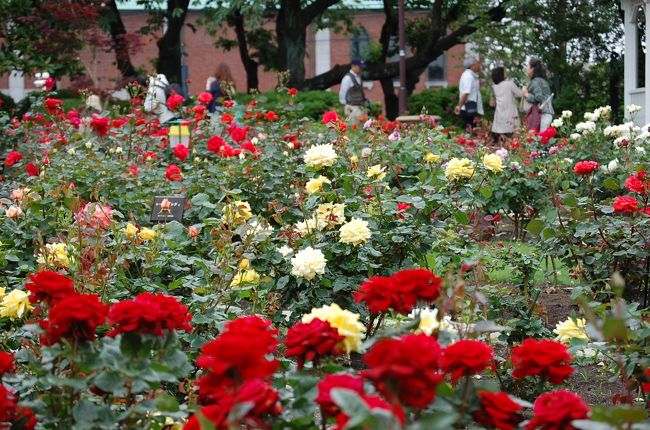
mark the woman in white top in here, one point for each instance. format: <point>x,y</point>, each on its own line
<point>506,115</point>
<point>155,103</point>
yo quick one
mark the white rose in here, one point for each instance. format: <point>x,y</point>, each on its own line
<point>308,263</point>
<point>355,232</point>
<point>320,156</point>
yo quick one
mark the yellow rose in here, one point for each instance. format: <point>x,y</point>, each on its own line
<point>309,226</point>
<point>354,159</point>
<point>431,157</point>
<point>2,293</point>
<point>236,213</point>
<point>330,214</point>
<point>377,172</point>
<point>345,322</point>
<point>493,162</point>
<point>568,330</point>
<point>355,232</point>
<point>429,322</point>
<point>244,264</point>
<point>459,169</point>
<point>320,156</point>
<point>55,254</point>
<point>245,278</point>
<point>130,231</point>
<point>15,304</point>
<point>147,234</point>
<point>316,184</point>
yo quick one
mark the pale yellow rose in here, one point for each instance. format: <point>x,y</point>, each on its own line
<point>130,231</point>
<point>377,171</point>
<point>493,162</point>
<point>244,264</point>
<point>430,157</point>
<point>567,330</point>
<point>248,278</point>
<point>147,234</point>
<point>354,159</point>
<point>345,322</point>
<point>55,254</point>
<point>459,169</point>
<point>308,263</point>
<point>236,213</point>
<point>315,185</point>
<point>15,304</point>
<point>330,214</point>
<point>320,156</point>
<point>355,232</point>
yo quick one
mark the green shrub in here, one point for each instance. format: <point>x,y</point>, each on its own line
<point>310,104</point>
<point>441,102</point>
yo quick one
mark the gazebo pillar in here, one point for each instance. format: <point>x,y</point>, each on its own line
<point>646,107</point>
<point>630,78</point>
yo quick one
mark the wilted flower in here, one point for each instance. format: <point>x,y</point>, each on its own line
<point>13,212</point>
<point>55,254</point>
<point>236,213</point>
<point>330,214</point>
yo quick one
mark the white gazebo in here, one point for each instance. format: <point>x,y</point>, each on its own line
<point>637,61</point>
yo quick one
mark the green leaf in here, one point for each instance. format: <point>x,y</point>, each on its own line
<point>535,226</point>
<point>615,329</point>
<point>486,192</point>
<point>461,218</point>
<point>167,403</point>
<point>111,382</point>
<point>611,184</point>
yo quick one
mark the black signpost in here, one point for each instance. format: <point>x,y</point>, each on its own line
<point>168,208</point>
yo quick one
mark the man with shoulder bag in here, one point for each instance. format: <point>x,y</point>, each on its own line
<point>351,94</point>
<point>470,105</point>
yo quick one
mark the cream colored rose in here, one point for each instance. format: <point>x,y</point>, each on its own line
<point>320,156</point>
<point>493,162</point>
<point>308,263</point>
<point>13,212</point>
<point>459,169</point>
<point>315,185</point>
<point>377,171</point>
<point>355,232</point>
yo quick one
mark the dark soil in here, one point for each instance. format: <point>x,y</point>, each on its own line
<point>555,305</point>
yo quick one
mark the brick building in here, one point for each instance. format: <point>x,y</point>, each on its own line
<point>325,48</point>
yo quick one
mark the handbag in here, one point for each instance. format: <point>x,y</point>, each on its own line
<point>534,118</point>
<point>471,108</point>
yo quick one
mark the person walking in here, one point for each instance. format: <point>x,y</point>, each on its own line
<point>470,104</point>
<point>506,115</point>
<point>539,95</point>
<point>213,85</point>
<point>155,102</point>
<point>351,93</point>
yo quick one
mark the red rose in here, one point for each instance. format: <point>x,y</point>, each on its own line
<point>215,414</point>
<point>53,106</point>
<point>374,402</point>
<point>117,123</point>
<point>379,295</point>
<point>32,169</point>
<point>547,135</point>
<point>100,125</point>
<point>174,101</point>
<point>226,118</point>
<point>181,152</point>
<point>233,358</point>
<point>292,91</point>
<point>556,409</point>
<point>312,341</point>
<point>205,98</point>
<point>174,173</point>
<point>12,158</point>
<point>401,207</point>
<point>7,405</point>
<point>49,287</point>
<point>149,155</point>
<point>248,146</point>
<point>585,168</point>
<point>25,417</point>
<point>330,117</point>
<point>238,134</point>
<point>50,83</point>
<point>227,151</point>
<point>405,369</point>
<point>228,103</point>
<point>545,358</point>
<point>498,411</point>
<point>149,313</point>
<point>625,204</point>
<point>465,358</point>
<point>636,183</point>
<point>74,318</point>
<point>331,381</point>
<point>6,363</point>
<point>270,116</point>
<point>215,144</point>
<point>132,170</point>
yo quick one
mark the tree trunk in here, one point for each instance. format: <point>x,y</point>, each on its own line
<point>118,37</point>
<point>292,36</point>
<point>615,75</point>
<point>250,65</point>
<point>391,100</point>
<point>169,46</point>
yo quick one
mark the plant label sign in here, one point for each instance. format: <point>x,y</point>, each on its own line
<point>168,208</point>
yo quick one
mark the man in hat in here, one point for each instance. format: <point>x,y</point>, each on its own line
<point>470,105</point>
<point>351,93</point>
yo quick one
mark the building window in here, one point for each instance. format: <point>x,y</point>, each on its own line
<point>359,43</point>
<point>436,70</point>
<point>640,47</point>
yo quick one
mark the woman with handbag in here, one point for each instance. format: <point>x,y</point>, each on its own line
<point>539,95</point>
<point>506,114</point>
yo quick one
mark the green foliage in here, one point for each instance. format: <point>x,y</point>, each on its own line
<point>308,104</point>
<point>441,102</point>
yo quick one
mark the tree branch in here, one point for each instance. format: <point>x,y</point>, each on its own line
<point>315,9</point>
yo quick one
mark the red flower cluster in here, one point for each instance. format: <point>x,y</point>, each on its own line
<point>373,402</point>
<point>312,341</point>
<point>404,369</point>
<point>585,168</point>
<point>32,169</point>
<point>6,363</point>
<point>498,411</point>
<point>219,146</point>
<point>49,287</point>
<point>12,158</point>
<point>547,135</point>
<point>330,117</point>
<point>238,134</point>
<point>331,381</point>
<point>174,101</point>
<point>625,204</point>
<point>174,173</point>
<point>205,98</point>
<point>238,355</point>
<point>74,318</point>
<point>262,397</point>
<point>100,125</point>
<point>556,409</point>
<point>465,358</point>
<point>11,413</point>
<point>545,358</point>
<point>181,152</point>
<point>271,116</point>
<point>399,292</point>
<point>637,183</point>
<point>149,313</point>
<point>226,118</point>
<point>53,106</point>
